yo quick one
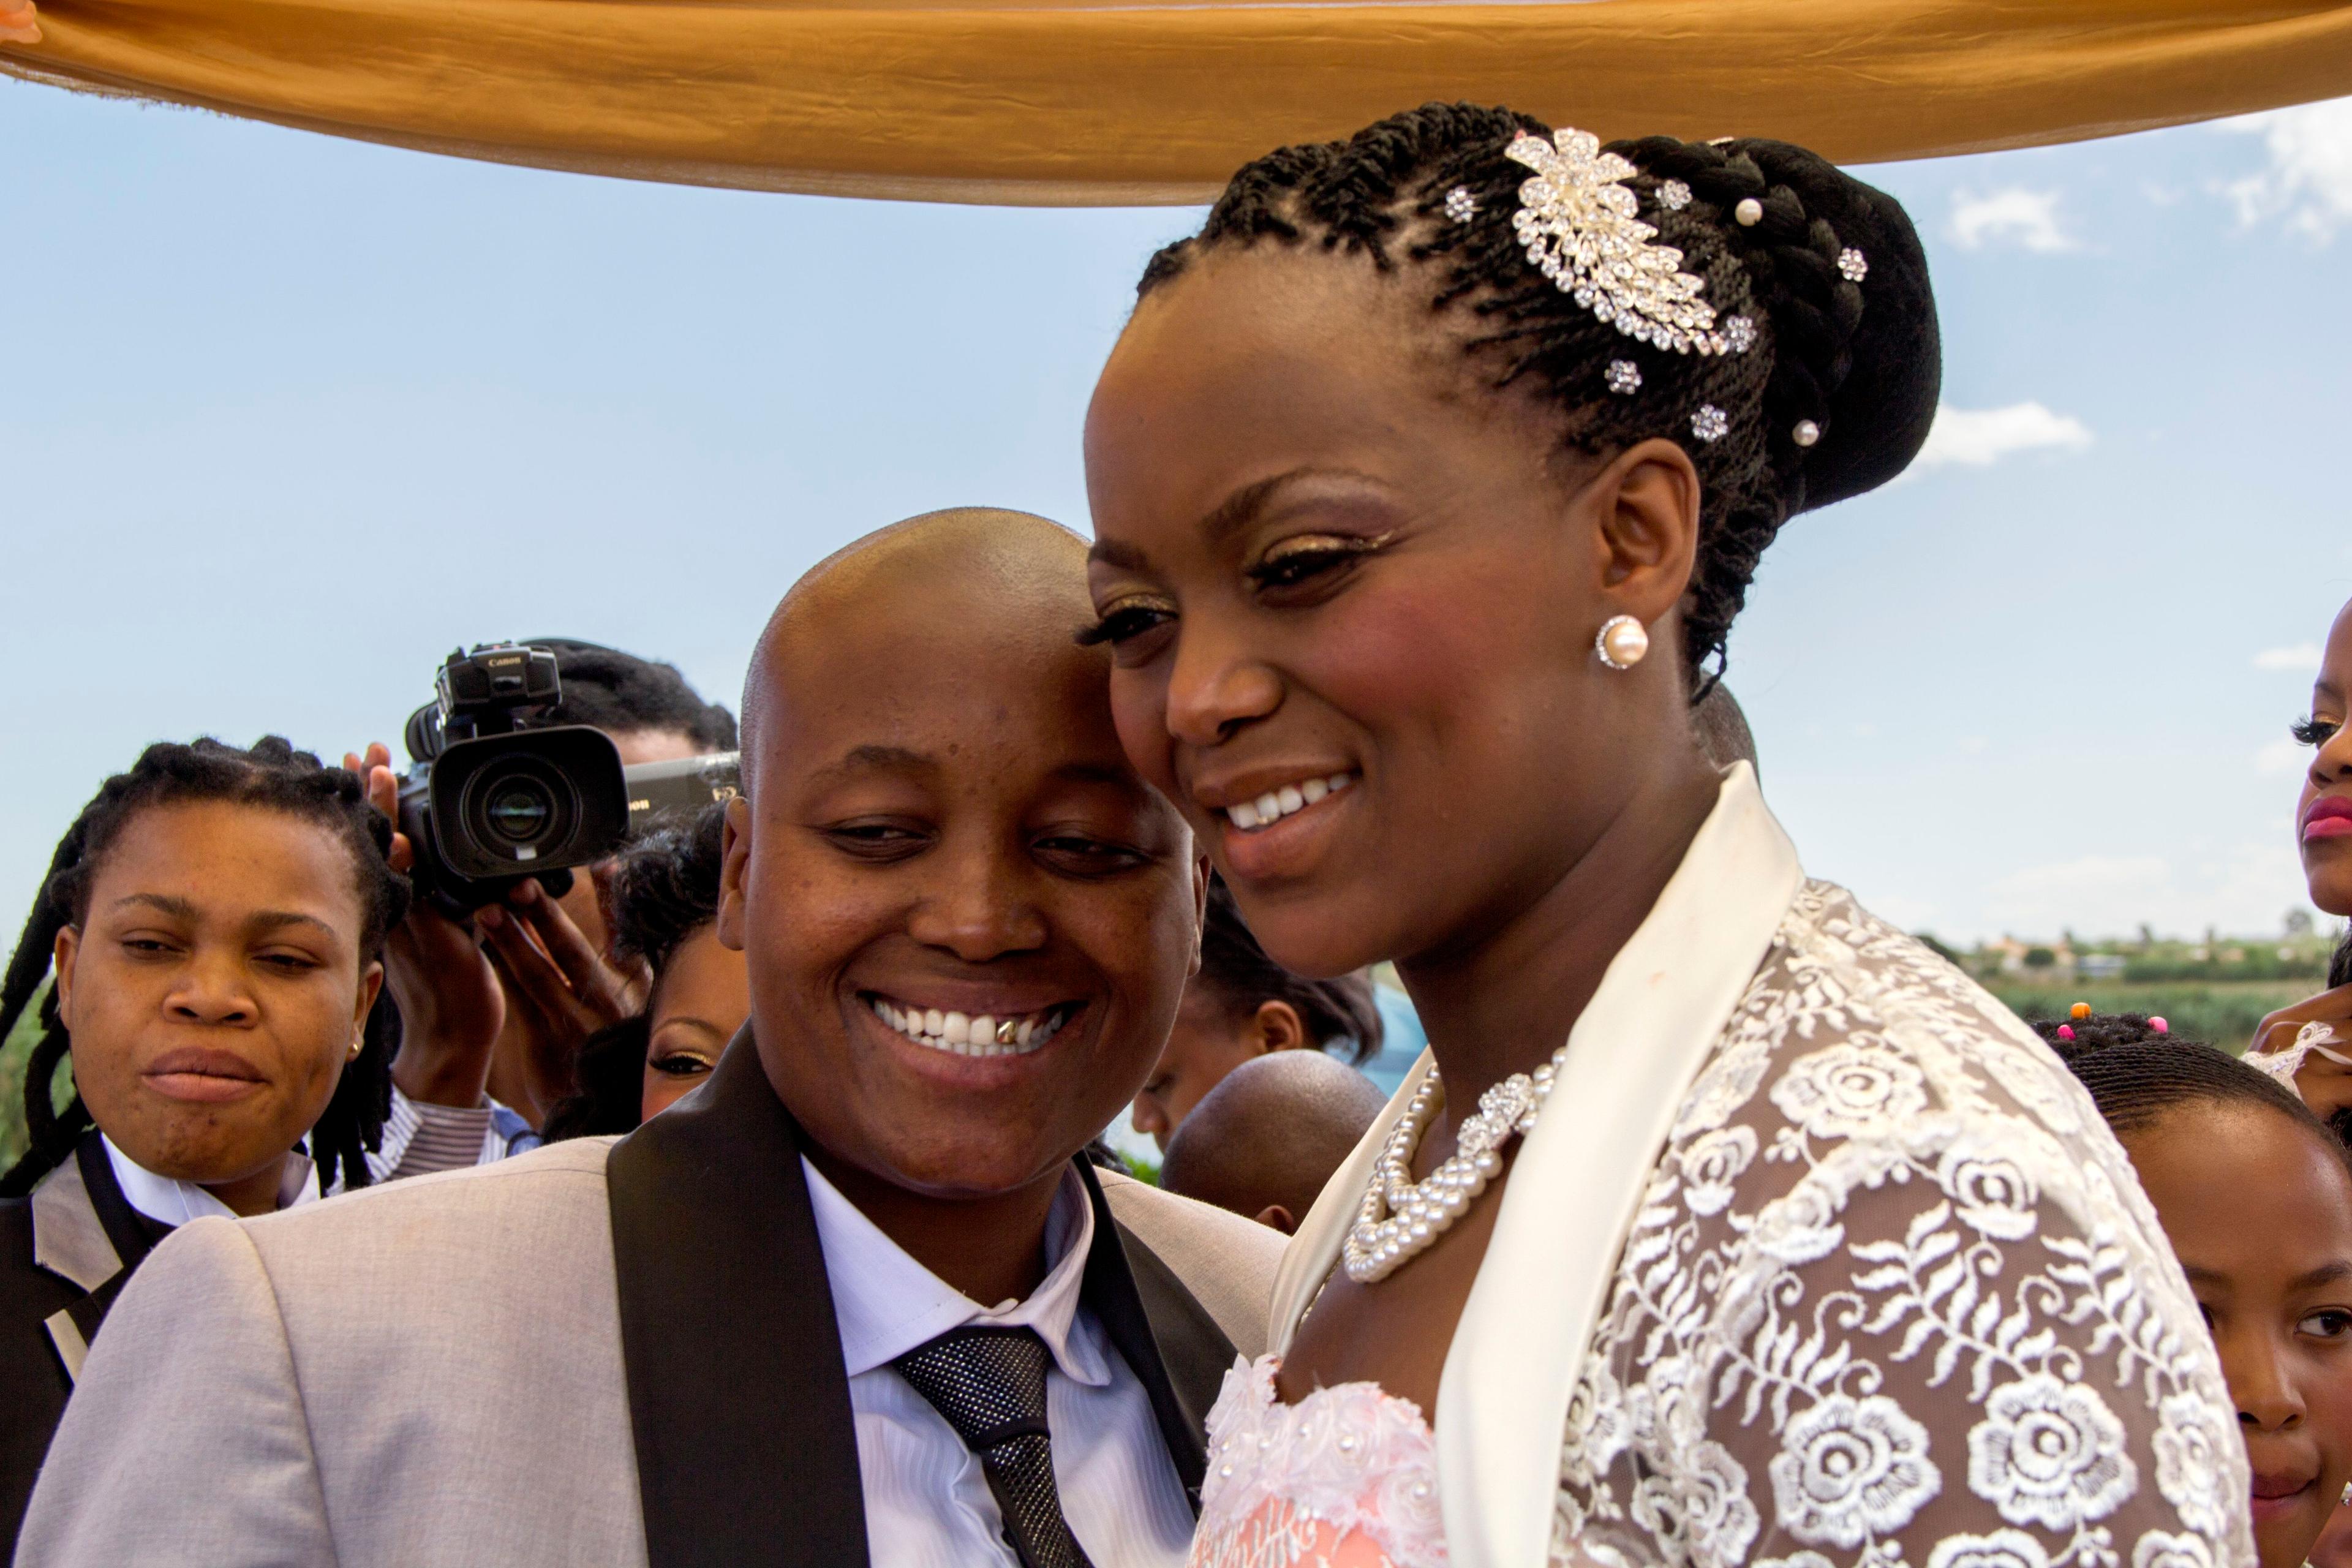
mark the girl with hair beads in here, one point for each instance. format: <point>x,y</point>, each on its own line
<point>214,919</point>
<point>1723,1224</point>
<point>2256,1195</point>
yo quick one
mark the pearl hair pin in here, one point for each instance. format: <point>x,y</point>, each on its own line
<point>1806,433</point>
<point>1622,642</point>
<point>1748,213</point>
<point>1580,223</point>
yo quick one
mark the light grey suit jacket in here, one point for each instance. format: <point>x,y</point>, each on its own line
<point>431,1371</point>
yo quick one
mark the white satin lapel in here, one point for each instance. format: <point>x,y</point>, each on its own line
<point>1502,1403</point>
<point>1314,1249</point>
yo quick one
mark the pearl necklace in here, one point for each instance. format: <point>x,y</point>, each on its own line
<point>1399,1217</point>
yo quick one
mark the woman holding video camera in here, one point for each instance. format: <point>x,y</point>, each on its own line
<point>498,1008</point>
<point>212,927</point>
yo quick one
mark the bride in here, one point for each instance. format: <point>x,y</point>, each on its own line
<point>1723,1224</point>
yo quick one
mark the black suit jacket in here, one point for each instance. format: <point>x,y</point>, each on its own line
<point>738,1398</point>
<point>66,1253</point>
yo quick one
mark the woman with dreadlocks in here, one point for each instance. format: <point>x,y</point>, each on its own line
<point>210,928</point>
<point>1723,1224</point>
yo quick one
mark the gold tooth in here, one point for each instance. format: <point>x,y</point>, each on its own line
<point>1005,1031</point>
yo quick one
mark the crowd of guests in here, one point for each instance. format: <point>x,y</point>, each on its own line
<point>769,1216</point>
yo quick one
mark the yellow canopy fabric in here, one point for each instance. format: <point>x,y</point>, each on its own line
<point>1103,102</point>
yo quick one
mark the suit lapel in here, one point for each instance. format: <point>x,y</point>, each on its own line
<point>738,1399</point>
<point>1174,1347</point>
<point>85,1231</point>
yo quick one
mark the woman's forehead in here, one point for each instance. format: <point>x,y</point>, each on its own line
<point>221,858</point>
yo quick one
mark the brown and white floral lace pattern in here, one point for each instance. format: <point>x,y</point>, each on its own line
<point>1893,1299</point>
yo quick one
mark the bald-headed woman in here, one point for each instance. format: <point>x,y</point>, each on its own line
<point>854,1299</point>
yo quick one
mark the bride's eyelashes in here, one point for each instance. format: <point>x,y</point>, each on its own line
<point>1319,559</point>
<point>2314,730</point>
<point>1125,621</point>
<point>1294,571</point>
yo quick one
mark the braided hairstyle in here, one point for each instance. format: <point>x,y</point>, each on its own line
<point>1859,362</point>
<point>271,776</point>
<point>2138,1075</point>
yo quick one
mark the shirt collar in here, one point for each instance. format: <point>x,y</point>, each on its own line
<point>175,1202</point>
<point>887,1304</point>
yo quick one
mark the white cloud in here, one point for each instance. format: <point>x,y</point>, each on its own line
<point>2280,757</point>
<point>1978,437</point>
<point>2308,178</point>
<point>2302,657</point>
<point>2029,218</point>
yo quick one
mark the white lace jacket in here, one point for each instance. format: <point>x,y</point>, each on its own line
<point>1822,1260</point>
<point>1893,1297</point>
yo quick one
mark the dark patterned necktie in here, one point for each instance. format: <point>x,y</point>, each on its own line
<point>990,1384</point>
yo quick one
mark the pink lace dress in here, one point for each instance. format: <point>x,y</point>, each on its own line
<point>1346,1478</point>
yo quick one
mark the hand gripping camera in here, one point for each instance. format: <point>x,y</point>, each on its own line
<point>489,800</point>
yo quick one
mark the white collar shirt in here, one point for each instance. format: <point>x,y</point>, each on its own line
<point>175,1202</point>
<point>927,1504</point>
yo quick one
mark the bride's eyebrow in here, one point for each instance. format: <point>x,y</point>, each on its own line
<point>1228,518</point>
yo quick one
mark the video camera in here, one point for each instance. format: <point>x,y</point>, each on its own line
<point>487,800</point>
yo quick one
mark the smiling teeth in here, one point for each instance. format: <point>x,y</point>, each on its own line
<point>1276,804</point>
<point>985,1036</point>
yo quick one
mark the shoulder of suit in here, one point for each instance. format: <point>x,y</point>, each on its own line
<point>548,1181</point>
<point>1193,1238</point>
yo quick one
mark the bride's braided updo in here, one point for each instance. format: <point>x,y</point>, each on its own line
<point>1834,396</point>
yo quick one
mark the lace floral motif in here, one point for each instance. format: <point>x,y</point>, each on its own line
<point>1893,1299</point>
<point>1347,1475</point>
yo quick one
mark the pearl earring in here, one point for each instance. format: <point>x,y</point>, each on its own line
<point>1621,642</point>
<point>2348,1494</point>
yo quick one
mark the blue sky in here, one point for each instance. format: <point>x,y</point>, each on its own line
<point>283,418</point>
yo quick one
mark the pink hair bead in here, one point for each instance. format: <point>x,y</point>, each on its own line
<point>2065,1031</point>
<point>2159,1026</point>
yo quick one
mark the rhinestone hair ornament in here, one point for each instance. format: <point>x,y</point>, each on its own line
<point>1577,220</point>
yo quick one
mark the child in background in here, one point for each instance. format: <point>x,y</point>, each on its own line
<point>1263,1142</point>
<point>216,918</point>
<point>663,906</point>
<point>2256,1195</point>
<point>1242,1005</point>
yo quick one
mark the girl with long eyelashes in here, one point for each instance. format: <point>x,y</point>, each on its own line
<point>1723,1222</point>
<point>212,928</point>
<point>2309,1045</point>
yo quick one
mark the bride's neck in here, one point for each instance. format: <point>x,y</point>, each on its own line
<point>1501,1001</point>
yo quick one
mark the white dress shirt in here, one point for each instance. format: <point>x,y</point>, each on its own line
<point>927,1499</point>
<point>175,1202</point>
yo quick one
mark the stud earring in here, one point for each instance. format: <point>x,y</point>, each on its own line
<point>1621,642</point>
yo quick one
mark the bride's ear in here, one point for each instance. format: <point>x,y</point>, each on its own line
<point>1645,506</point>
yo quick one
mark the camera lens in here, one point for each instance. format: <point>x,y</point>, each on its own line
<point>518,809</point>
